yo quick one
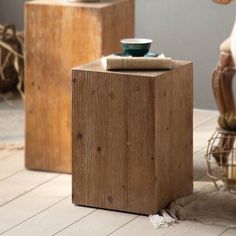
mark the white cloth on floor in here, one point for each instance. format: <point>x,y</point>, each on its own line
<point>163,220</point>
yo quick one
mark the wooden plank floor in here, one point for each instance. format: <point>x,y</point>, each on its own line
<point>39,203</point>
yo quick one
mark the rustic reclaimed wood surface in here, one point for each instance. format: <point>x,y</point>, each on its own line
<point>132,137</point>
<point>60,35</point>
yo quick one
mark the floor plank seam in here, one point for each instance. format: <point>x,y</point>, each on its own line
<point>29,218</point>
<point>198,178</point>
<point>224,231</point>
<point>123,225</point>
<point>205,175</point>
<point>58,232</point>
<point>30,190</point>
<point>9,176</point>
<point>205,122</point>
<point>199,150</point>
<point>199,153</point>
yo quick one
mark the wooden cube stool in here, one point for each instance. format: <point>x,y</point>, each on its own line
<point>60,35</point>
<point>132,137</point>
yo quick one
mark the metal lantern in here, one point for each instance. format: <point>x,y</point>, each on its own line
<point>221,159</point>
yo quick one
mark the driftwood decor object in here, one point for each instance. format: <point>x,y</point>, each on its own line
<point>222,81</point>
<point>60,35</point>
<point>132,137</point>
<point>221,150</point>
<point>11,59</point>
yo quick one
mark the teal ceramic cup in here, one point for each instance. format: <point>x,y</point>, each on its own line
<point>136,47</point>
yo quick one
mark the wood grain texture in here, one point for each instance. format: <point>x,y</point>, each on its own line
<point>132,137</point>
<point>59,36</point>
<point>174,135</point>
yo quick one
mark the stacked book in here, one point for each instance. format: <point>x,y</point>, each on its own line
<point>116,62</point>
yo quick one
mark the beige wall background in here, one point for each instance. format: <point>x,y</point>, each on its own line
<point>183,29</point>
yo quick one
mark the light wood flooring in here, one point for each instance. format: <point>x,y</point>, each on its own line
<point>38,203</point>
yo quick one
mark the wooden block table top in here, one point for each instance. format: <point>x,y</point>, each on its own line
<point>132,137</point>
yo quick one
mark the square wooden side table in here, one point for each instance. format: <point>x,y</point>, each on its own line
<point>60,35</point>
<point>132,137</point>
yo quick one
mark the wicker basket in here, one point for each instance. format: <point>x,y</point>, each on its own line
<point>221,159</point>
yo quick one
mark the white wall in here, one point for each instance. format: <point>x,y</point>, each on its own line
<point>182,29</point>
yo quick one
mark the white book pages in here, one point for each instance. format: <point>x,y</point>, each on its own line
<point>114,62</point>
